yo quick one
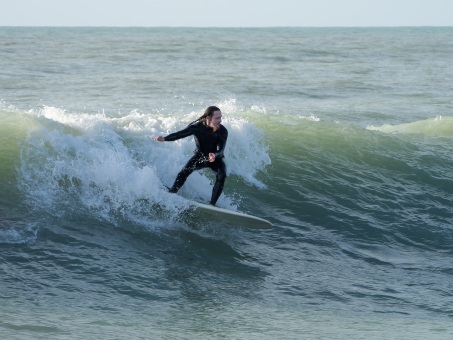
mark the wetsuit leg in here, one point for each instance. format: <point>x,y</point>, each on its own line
<point>220,168</point>
<point>195,163</point>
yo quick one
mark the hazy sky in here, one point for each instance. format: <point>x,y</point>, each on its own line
<point>226,13</point>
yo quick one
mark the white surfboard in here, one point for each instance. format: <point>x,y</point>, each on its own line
<point>229,217</point>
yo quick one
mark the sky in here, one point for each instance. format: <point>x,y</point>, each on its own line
<point>227,13</point>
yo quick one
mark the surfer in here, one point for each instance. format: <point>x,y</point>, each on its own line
<point>210,139</point>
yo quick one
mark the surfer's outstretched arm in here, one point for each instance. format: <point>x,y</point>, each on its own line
<point>188,131</point>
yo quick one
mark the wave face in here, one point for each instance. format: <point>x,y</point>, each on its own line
<point>340,137</point>
<point>349,178</point>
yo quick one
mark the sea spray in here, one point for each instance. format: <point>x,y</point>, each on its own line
<point>106,165</point>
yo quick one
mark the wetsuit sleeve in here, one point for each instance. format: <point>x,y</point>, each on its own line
<point>188,131</point>
<point>222,143</point>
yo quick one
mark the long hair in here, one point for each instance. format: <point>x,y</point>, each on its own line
<point>207,113</point>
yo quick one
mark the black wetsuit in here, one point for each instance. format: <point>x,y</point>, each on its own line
<point>207,141</point>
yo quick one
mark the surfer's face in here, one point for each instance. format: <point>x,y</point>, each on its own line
<point>215,120</point>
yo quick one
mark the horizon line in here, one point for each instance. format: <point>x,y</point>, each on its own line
<point>210,27</point>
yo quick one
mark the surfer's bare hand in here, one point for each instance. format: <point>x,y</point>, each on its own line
<point>159,138</point>
<point>211,157</point>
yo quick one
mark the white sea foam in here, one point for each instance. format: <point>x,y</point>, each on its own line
<point>13,232</point>
<point>439,126</point>
<point>108,163</point>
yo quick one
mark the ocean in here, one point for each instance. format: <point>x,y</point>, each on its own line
<point>341,137</point>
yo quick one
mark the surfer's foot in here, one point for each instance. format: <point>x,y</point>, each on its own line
<point>171,190</point>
